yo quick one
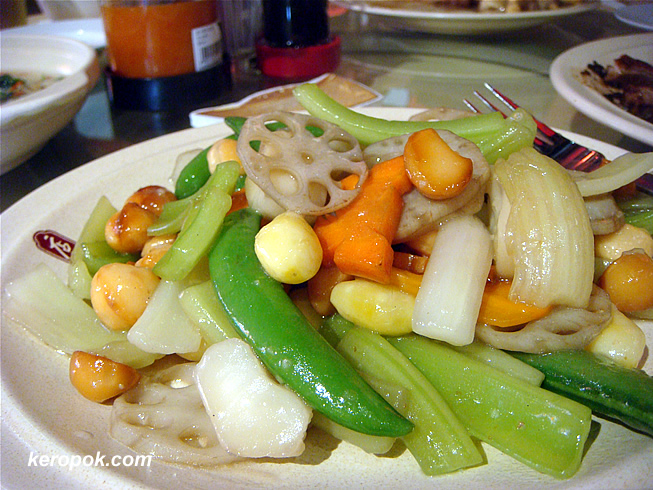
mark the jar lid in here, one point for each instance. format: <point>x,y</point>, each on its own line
<point>166,93</point>
<point>298,63</point>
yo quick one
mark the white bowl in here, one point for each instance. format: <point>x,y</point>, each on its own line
<point>27,123</point>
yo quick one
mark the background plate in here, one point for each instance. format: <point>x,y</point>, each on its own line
<point>89,31</point>
<point>42,414</point>
<point>459,22</point>
<point>565,71</point>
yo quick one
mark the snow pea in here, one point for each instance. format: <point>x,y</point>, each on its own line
<point>193,176</point>
<point>284,340</point>
<point>610,390</point>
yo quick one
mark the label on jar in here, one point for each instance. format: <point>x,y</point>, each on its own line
<point>207,46</point>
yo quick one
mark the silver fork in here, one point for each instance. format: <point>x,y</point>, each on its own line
<point>567,153</point>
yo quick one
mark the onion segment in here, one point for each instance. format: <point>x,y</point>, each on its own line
<point>449,299</point>
<point>611,176</point>
<point>551,243</point>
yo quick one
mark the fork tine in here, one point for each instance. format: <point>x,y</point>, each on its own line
<point>546,130</point>
<point>471,106</point>
<point>488,103</point>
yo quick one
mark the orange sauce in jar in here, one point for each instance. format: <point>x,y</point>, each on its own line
<point>155,39</point>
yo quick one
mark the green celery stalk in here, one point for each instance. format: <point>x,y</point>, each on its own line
<point>367,129</point>
<point>439,441</point>
<point>502,361</point>
<point>518,132</point>
<point>200,302</point>
<point>539,428</point>
<point>202,226</point>
<point>172,217</point>
<point>79,277</point>
<point>97,254</point>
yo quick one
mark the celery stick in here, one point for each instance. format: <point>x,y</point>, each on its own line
<point>367,129</point>
<point>79,277</point>
<point>97,254</point>
<point>172,217</point>
<point>519,132</point>
<point>439,441</point>
<point>202,226</point>
<point>539,428</point>
<point>334,328</point>
<point>502,361</point>
<point>200,302</point>
<point>642,219</point>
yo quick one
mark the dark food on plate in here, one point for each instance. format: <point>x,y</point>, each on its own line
<point>628,84</point>
<point>506,6</point>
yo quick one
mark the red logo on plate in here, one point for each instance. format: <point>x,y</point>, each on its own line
<point>54,244</point>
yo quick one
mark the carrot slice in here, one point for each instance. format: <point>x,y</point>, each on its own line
<point>435,169</point>
<point>498,310</point>
<point>238,201</point>
<point>358,238</point>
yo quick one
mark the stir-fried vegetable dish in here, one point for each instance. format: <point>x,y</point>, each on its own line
<point>430,283</point>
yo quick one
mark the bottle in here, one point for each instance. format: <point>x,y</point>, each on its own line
<point>296,42</point>
<point>163,54</point>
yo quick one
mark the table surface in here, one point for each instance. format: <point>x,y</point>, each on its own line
<point>407,68</point>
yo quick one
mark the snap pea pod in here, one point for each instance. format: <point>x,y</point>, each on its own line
<point>608,389</point>
<point>193,176</point>
<point>201,226</point>
<point>544,430</point>
<point>290,347</point>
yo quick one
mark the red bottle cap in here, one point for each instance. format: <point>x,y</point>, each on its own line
<point>298,62</point>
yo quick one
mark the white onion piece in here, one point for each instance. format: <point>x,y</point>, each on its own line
<point>617,173</point>
<point>550,238</point>
<point>259,201</point>
<point>254,416</point>
<point>164,327</point>
<point>164,416</point>
<point>605,216</point>
<point>449,298</point>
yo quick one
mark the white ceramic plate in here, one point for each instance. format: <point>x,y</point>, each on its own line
<point>42,414</point>
<point>455,22</point>
<point>89,31</point>
<point>638,15</point>
<point>565,71</point>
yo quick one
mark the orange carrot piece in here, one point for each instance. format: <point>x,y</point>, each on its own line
<point>238,201</point>
<point>498,310</point>
<point>435,169</point>
<point>358,238</point>
<point>407,281</point>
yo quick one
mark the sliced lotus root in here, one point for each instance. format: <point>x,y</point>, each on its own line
<point>298,170</point>
<point>164,416</point>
